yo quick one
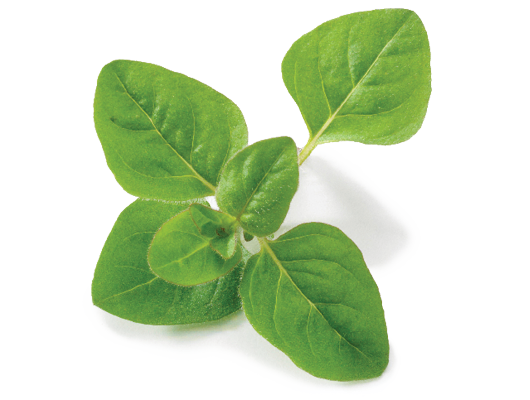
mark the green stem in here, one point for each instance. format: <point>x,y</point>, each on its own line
<point>310,146</point>
<point>306,151</point>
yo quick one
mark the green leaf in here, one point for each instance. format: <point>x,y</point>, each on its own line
<point>247,237</point>
<point>220,228</point>
<point>165,135</point>
<point>364,77</point>
<point>310,294</point>
<point>180,254</point>
<point>125,286</point>
<point>258,184</point>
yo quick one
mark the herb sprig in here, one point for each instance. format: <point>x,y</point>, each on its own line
<point>363,77</point>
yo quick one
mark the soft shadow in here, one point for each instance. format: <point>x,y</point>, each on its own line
<point>328,195</point>
<point>232,338</point>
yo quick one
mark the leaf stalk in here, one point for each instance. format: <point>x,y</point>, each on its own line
<point>306,151</point>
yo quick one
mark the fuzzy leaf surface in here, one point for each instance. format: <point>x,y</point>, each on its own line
<point>219,227</point>
<point>165,135</point>
<point>180,254</point>
<point>258,184</point>
<point>311,295</point>
<point>364,77</point>
<point>125,286</point>
<point>248,237</point>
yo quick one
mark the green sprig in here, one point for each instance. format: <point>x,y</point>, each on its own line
<point>363,77</point>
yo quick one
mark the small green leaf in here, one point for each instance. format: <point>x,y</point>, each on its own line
<point>220,228</point>
<point>180,254</point>
<point>310,294</point>
<point>364,77</point>
<point>226,246</point>
<point>165,135</point>
<point>247,236</point>
<point>125,286</point>
<point>258,184</point>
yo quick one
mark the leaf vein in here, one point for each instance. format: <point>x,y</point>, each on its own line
<point>280,240</point>
<point>276,304</point>
<point>265,245</point>
<point>204,181</point>
<point>227,150</point>
<point>330,119</point>
<point>136,233</point>
<point>307,331</point>
<point>183,258</point>
<point>318,259</point>
<point>256,266</point>
<point>153,177</point>
<point>193,136</point>
<point>130,129</point>
<point>382,112</point>
<point>322,79</point>
<point>259,184</point>
<point>128,290</point>
<point>338,304</point>
<point>214,292</point>
<point>135,268</point>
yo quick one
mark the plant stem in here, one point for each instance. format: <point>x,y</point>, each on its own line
<point>310,146</point>
<point>306,151</point>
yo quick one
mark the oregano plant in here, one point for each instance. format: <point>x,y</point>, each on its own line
<point>172,141</point>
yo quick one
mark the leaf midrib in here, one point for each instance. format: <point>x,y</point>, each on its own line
<point>259,184</point>
<point>126,291</point>
<point>264,244</point>
<point>332,117</point>
<point>204,181</point>
<point>202,246</point>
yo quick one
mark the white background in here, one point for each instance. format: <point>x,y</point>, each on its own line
<point>443,219</point>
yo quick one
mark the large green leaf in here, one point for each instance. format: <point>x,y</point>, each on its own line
<point>310,294</point>
<point>258,184</point>
<point>165,135</point>
<point>125,286</point>
<point>364,77</point>
<point>182,255</point>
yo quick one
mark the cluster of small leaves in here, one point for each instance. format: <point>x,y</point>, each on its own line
<point>171,141</point>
